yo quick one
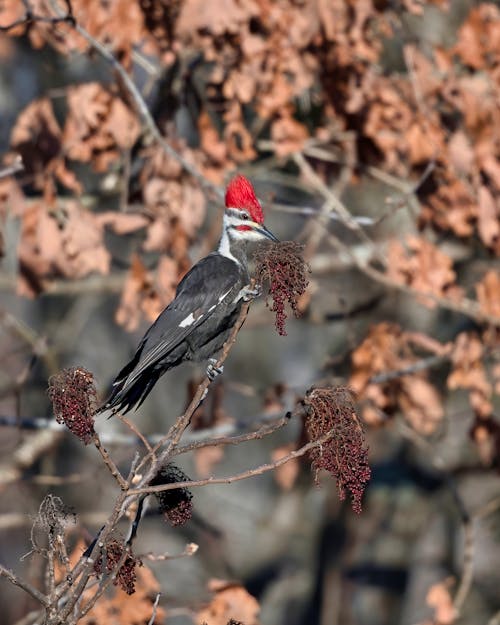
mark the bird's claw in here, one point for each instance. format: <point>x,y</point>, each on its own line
<point>248,293</point>
<point>212,370</point>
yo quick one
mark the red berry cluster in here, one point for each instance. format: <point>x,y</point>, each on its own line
<point>283,267</point>
<point>176,503</point>
<point>74,401</point>
<point>126,576</point>
<point>345,454</point>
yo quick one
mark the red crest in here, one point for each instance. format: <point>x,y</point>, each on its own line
<point>240,194</point>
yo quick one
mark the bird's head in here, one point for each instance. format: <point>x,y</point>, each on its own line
<point>243,217</point>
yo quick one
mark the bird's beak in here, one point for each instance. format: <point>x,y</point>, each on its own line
<point>261,229</point>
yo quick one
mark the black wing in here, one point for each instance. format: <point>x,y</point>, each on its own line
<point>205,287</point>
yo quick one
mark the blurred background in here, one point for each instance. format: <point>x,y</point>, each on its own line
<point>371,131</point>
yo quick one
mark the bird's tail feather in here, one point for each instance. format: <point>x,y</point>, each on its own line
<point>124,398</point>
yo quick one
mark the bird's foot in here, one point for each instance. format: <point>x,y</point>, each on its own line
<point>248,292</point>
<point>212,370</point>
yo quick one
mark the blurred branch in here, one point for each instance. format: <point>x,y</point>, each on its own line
<point>141,106</point>
<point>112,283</point>
<point>189,550</point>
<point>15,167</point>
<point>468,555</point>
<point>467,519</point>
<point>38,344</point>
<point>155,609</point>
<point>27,454</point>
<point>120,439</point>
<point>467,566</point>
<point>464,306</point>
<point>415,367</point>
<point>30,17</point>
<point>332,202</point>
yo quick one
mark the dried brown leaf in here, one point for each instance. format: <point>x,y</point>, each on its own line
<point>143,294</point>
<point>98,126</point>
<point>36,136</point>
<point>488,293</point>
<point>288,135</point>
<point>423,267</point>
<point>439,598</point>
<point>488,219</point>
<point>231,601</point>
<point>469,372</point>
<point>388,349</point>
<point>286,474</point>
<point>122,223</point>
<point>206,459</point>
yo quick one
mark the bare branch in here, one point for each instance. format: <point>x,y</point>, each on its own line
<point>263,431</point>
<point>15,167</point>
<point>264,468</point>
<point>155,608</point>
<point>415,367</point>
<point>108,461</point>
<point>467,567</point>
<point>17,581</point>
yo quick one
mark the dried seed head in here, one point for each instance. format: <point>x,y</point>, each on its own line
<point>74,401</point>
<point>345,454</point>
<point>110,556</point>
<point>176,503</point>
<point>282,266</point>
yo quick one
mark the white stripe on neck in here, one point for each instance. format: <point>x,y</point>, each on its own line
<point>225,245</point>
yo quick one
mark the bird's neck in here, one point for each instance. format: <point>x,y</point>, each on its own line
<point>235,250</point>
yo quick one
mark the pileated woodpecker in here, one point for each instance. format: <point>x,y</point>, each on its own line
<point>195,325</point>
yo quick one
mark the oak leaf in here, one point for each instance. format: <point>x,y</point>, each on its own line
<point>143,294</point>
<point>423,267</point>
<point>488,219</point>
<point>439,598</point>
<point>231,601</point>
<point>388,349</point>
<point>98,126</point>
<point>488,293</point>
<point>469,373</point>
<point>286,474</point>
<point>288,135</point>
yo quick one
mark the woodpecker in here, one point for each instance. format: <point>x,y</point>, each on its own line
<point>208,300</point>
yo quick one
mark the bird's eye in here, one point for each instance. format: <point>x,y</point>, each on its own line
<point>244,216</point>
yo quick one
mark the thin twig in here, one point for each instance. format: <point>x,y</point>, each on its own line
<point>467,567</point>
<point>108,461</point>
<point>132,427</point>
<point>155,608</point>
<point>264,468</point>
<point>189,550</point>
<point>264,430</point>
<point>31,590</point>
